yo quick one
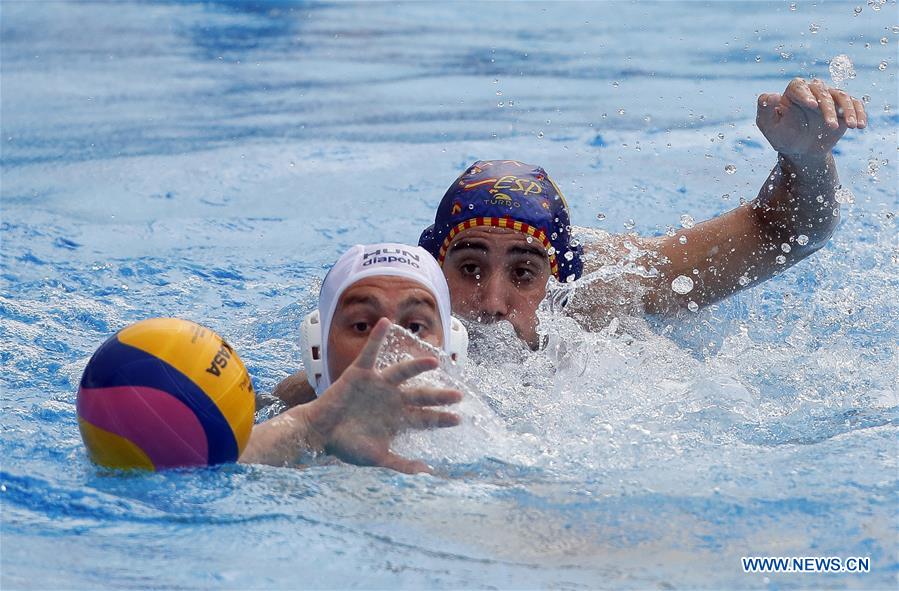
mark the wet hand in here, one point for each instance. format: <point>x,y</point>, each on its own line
<point>358,416</point>
<point>809,118</point>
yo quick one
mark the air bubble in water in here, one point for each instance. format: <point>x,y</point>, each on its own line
<point>686,221</point>
<point>621,111</point>
<point>682,239</point>
<point>540,135</point>
<point>730,169</point>
<point>629,224</point>
<point>743,280</point>
<point>781,259</point>
<point>600,216</point>
<point>882,65</point>
<point>857,10</point>
<point>785,247</point>
<point>866,98</point>
<point>844,196</point>
<point>682,284</point>
<point>693,306</point>
<point>802,240</point>
<point>569,256</point>
<point>670,231</point>
<point>884,41</point>
<point>841,69</point>
<point>792,6</point>
<point>813,28</point>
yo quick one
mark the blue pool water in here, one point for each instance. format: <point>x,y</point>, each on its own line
<point>210,160</point>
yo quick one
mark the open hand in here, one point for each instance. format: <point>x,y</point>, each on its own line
<point>358,416</point>
<point>808,119</point>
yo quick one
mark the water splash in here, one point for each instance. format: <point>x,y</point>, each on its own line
<point>841,69</point>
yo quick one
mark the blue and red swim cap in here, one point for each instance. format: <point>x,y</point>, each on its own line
<point>507,194</point>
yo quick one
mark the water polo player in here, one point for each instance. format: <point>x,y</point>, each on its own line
<point>357,410</point>
<point>502,229</point>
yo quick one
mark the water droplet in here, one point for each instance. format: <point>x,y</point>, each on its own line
<point>682,239</point>
<point>730,169</point>
<point>785,247</point>
<point>615,84</point>
<point>471,206</point>
<point>499,93</point>
<point>540,135</point>
<point>569,256</point>
<point>820,198</point>
<point>866,98</point>
<point>792,7</point>
<point>692,306</point>
<point>875,4</point>
<point>686,221</point>
<point>500,104</point>
<point>802,240</point>
<point>629,224</point>
<point>857,10</point>
<point>882,65</point>
<point>873,168</point>
<point>758,59</point>
<point>814,28</point>
<point>743,280</point>
<point>621,111</point>
<point>841,69</point>
<point>895,29</point>
<point>551,251</point>
<point>726,196</point>
<point>682,284</point>
<point>720,136</point>
<point>670,231</point>
<point>843,196</point>
<point>884,41</point>
<point>530,239</point>
<point>781,259</point>
<point>600,216</point>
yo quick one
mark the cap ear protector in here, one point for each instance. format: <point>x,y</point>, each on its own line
<point>311,346</point>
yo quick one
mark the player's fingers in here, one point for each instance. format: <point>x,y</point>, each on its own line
<point>431,397</point>
<point>405,465</point>
<point>369,353</point>
<point>845,107</point>
<point>860,113</point>
<point>424,418</point>
<point>799,92</point>
<point>400,372</point>
<point>825,103</point>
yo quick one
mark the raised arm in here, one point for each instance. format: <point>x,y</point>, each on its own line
<point>794,214</point>
<point>358,416</point>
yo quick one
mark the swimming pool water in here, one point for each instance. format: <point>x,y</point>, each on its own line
<point>210,161</point>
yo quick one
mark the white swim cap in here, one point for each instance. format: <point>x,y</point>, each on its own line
<point>359,262</point>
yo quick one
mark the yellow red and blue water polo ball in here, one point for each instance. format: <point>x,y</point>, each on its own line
<point>165,393</point>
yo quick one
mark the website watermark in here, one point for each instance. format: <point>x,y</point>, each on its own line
<point>806,564</point>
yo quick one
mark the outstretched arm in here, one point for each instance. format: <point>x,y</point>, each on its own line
<point>358,416</point>
<point>794,214</point>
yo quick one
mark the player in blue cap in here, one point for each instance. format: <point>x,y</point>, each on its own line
<point>502,229</point>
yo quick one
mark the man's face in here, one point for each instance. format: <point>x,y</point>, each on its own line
<point>402,301</point>
<point>497,274</point>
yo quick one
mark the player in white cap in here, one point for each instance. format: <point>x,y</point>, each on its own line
<point>357,409</point>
